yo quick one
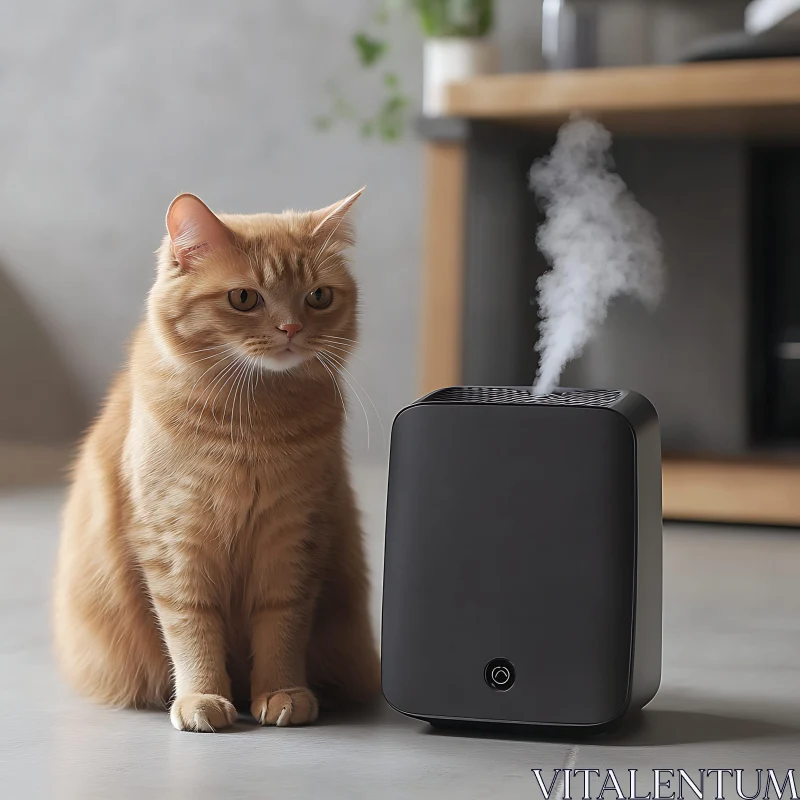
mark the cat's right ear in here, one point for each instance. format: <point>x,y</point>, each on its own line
<point>194,230</point>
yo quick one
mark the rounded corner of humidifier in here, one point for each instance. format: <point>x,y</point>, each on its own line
<point>647,404</point>
<point>652,690</point>
<point>398,697</point>
<point>610,722</point>
<point>404,415</point>
<point>638,410</point>
<point>391,698</point>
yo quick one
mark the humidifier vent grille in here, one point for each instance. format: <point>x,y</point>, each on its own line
<point>491,394</point>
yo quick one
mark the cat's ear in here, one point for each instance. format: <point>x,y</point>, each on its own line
<point>194,230</point>
<point>331,223</point>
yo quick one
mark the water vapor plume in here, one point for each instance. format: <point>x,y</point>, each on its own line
<point>599,242</point>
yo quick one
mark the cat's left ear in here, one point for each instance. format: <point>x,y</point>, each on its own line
<point>194,230</point>
<point>331,223</point>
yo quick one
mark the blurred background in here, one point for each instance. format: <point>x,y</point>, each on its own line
<point>112,107</point>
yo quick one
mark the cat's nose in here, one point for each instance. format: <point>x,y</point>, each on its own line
<point>290,328</point>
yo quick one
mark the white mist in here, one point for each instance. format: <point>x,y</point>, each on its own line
<point>599,242</point>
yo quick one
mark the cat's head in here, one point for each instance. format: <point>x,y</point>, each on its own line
<point>272,289</point>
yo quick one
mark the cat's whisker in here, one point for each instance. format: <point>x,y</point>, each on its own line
<point>229,382</point>
<point>335,383</point>
<point>355,393</point>
<point>228,370</point>
<point>342,349</point>
<point>249,392</point>
<point>205,349</point>
<point>366,393</point>
<point>237,398</point>
<point>340,340</point>
<point>245,377</point>
<point>242,398</point>
<point>234,384</point>
<point>222,358</point>
<point>213,355</point>
<point>214,380</point>
<point>177,372</point>
<point>350,348</point>
<point>236,388</point>
<point>351,344</point>
<point>198,360</point>
<point>256,378</point>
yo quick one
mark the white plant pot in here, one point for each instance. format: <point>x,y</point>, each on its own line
<point>448,60</point>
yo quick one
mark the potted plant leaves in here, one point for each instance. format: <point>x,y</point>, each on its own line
<point>456,48</point>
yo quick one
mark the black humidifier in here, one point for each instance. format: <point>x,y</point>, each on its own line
<point>522,578</point>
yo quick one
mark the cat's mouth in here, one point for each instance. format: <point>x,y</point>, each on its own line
<point>283,358</point>
<point>286,352</point>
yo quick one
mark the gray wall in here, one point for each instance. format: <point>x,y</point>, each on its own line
<point>689,356</point>
<point>112,107</point>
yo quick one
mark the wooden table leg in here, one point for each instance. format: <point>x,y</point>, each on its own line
<point>443,275</point>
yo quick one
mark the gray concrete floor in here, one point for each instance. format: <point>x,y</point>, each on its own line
<point>730,696</point>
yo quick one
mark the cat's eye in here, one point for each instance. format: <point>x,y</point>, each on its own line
<point>321,297</point>
<point>243,299</point>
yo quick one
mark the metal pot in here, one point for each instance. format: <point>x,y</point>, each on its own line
<point>570,33</point>
<point>603,33</point>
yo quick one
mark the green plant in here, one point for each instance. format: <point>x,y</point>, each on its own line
<point>455,17</point>
<point>438,18</point>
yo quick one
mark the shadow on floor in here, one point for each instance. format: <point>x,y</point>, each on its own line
<point>651,728</point>
<point>371,714</point>
<point>661,727</point>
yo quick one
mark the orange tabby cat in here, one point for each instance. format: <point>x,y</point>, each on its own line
<point>211,551</point>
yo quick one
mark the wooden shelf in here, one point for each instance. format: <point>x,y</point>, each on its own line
<point>752,98</point>
<point>743,490</point>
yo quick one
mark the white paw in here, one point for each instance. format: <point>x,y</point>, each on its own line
<point>295,706</point>
<point>206,713</point>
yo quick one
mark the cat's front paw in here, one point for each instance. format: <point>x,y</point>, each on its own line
<point>295,706</point>
<point>202,712</point>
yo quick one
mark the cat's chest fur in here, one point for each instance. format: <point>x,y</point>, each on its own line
<point>234,488</point>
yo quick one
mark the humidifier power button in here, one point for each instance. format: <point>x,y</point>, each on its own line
<point>499,674</point>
